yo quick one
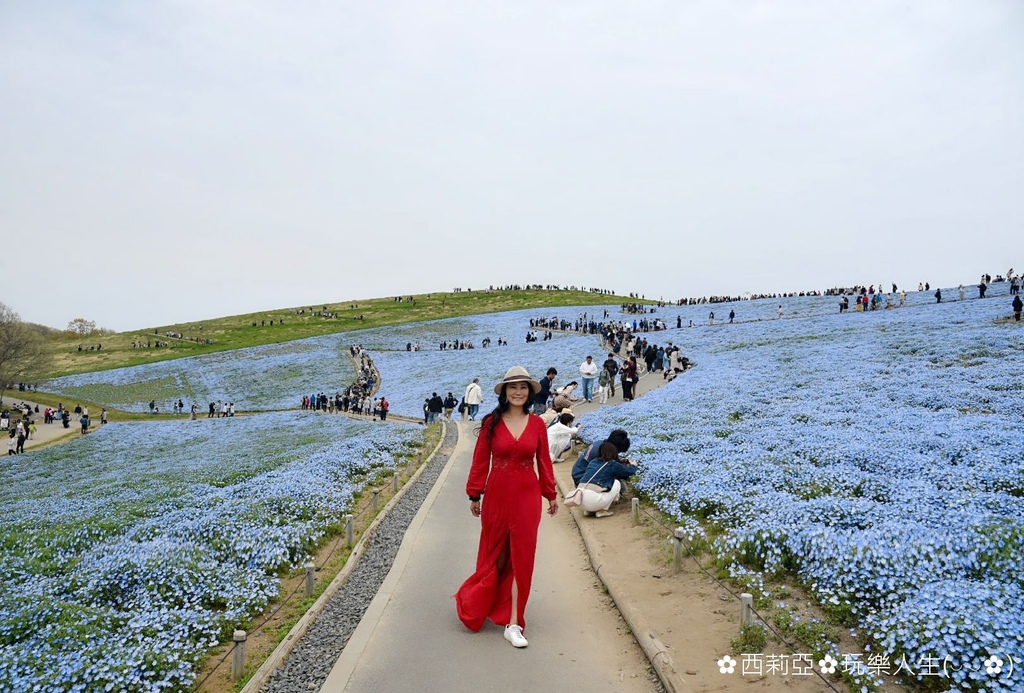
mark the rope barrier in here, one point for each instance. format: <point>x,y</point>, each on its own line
<point>215,668</point>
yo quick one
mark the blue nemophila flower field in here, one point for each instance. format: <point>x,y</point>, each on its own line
<point>880,456</point>
<point>126,554</point>
<point>273,376</point>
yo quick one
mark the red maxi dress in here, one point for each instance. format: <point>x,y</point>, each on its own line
<point>513,475</point>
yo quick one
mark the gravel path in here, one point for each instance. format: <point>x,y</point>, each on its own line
<point>315,655</point>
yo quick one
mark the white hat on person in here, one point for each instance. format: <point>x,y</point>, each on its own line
<point>517,374</point>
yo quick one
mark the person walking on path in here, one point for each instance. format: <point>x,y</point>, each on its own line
<point>435,405</point>
<point>1017,306</point>
<point>629,378</point>
<point>604,381</point>
<point>589,371</point>
<point>613,368</point>
<point>474,398</point>
<point>449,406</point>
<point>512,466</point>
<point>385,407</point>
<point>938,295</point>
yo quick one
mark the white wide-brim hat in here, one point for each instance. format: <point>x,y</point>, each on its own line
<point>517,374</point>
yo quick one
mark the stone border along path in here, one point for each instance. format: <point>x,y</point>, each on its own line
<point>313,657</point>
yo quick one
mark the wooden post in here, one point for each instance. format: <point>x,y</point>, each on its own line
<point>375,503</point>
<point>238,654</point>
<point>746,610</point>
<point>310,578</point>
<point>677,546</point>
<point>636,511</point>
<point>394,482</point>
<point>349,530</point>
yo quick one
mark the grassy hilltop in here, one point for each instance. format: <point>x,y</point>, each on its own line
<point>237,331</point>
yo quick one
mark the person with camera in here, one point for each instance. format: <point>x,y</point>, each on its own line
<point>601,480</point>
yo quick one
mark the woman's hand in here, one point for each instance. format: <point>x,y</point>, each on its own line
<point>474,507</point>
<point>553,507</point>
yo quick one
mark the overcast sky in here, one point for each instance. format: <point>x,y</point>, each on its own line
<point>168,161</point>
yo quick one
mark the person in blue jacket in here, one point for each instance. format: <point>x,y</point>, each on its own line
<point>602,480</point>
<point>618,437</point>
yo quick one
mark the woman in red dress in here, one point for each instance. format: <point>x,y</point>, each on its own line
<point>512,465</point>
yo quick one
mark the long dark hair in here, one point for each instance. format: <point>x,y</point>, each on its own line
<point>491,420</point>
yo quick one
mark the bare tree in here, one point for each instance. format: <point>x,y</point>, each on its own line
<point>82,327</point>
<point>23,353</point>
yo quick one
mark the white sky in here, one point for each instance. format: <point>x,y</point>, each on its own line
<point>173,160</point>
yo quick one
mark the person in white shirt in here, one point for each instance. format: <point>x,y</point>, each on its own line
<point>560,436</point>
<point>589,371</point>
<point>474,398</point>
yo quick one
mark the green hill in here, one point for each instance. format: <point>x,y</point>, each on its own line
<point>285,324</point>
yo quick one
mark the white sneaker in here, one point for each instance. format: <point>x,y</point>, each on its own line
<point>514,634</point>
<point>604,513</point>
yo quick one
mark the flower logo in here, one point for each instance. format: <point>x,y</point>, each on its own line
<point>993,665</point>
<point>726,665</point>
<point>828,665</point>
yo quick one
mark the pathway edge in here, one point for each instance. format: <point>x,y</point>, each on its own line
<point>281,652</point>
<point>645,636</point>
<point>341,673</point>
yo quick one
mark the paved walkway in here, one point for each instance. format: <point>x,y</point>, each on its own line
<point>411,639</point>
<point>45,433</point>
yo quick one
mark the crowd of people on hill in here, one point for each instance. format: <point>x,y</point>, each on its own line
<point>435,406</point>
<point>20,424</point>
<point>357,398</point>
<point>160,343</point>
<point>536,287</point>
<point>637,308</point>
<point>696,301</point>
<point>458,344</point>
<point>221,409</point>
<point>322,313</point>
<point>351,401</point>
